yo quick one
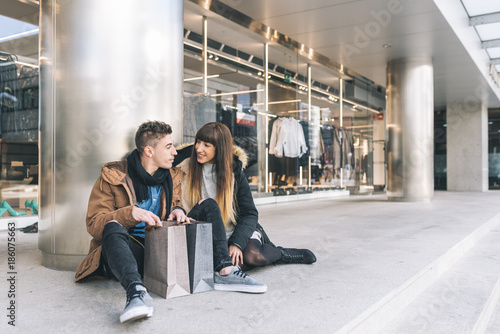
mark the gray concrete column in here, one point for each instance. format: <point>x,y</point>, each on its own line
<point>105,67</point>
<point>467,147</point>
<point>410,130</point>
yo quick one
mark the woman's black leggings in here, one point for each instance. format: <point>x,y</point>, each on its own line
<point>257,254</point>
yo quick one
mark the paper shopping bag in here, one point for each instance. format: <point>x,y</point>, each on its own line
<point>166,270</point>
<point>200,256</point>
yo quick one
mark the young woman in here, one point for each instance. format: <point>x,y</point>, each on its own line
<point>214,168</point>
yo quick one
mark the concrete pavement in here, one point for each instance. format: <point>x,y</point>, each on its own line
<point>369,250</point>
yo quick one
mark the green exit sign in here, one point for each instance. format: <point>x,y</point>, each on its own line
<point>288,78</point>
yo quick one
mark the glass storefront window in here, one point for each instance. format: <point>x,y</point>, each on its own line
<point>18,137</point>
<point>325,160</point>
<point>303,141</point>
<point>359,170</point>
<point>234,84</point>
<point>288,122</point>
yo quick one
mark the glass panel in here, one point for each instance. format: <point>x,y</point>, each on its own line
<point>288,158</point>
<point>488,31</point>
<point>325,144</point>
<point>358,170</point>
<point>494,52</point>
<point>18,138</point>
<point>12,29</point>
<point>440,179</point>
<point>358,154</point>
<point>475,7</point>
<point>292,147</point>
<point>234,87</point>
<point>494,148</point>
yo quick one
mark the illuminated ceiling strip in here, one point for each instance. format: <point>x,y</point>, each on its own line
<point>266,114</point>
<point>19,35</point>
<point>278,102</point>
<point>238,92</point>
<point>359,126</point>
<point>357,105</point>
<point>26,64</point>
<point>200,78</point>
<point>223,55</point>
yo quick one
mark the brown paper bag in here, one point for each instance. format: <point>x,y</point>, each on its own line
<point>166,271</point>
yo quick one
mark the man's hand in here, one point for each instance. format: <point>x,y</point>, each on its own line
<point>141,215</point>
<point>179,216</point>
<point>236,255</point>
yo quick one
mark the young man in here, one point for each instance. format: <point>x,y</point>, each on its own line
<point>132,196</point>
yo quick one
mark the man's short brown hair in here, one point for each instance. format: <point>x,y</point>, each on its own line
<point>150,133</point>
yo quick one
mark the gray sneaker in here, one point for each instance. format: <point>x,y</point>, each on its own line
<point>139,305</point>
<point>239,281</point>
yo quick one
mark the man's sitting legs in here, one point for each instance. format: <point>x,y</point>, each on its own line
<point>123,259</point>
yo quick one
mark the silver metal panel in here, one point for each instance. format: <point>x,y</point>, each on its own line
<point>105,68</point>
<point>410,130</point>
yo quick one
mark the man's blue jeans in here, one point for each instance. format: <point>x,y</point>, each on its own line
<point>123,257</point>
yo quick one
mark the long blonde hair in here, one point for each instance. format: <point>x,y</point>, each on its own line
<point>218,135</point>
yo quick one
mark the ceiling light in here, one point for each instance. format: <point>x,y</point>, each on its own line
<point>387,45</point>
<point>19,35</point>
<point>277,102</point>
<point>239,92</point>
<point>26,64</point>
<point>199,78</point>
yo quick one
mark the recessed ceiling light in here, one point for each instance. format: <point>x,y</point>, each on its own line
<point>387,45</point>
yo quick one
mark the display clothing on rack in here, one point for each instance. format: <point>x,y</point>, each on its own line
<point>338,147</point>
<point>9,94</point>
<point>287,138</point>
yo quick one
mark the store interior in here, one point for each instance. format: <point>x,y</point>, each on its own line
<point>335,119</point>
<point>328,117</point>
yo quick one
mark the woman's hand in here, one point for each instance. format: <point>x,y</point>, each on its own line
<point>179,216</point>
<point>236,255</point>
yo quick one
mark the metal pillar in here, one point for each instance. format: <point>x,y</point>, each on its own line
<point>105,67</point>
<point>410,130</point>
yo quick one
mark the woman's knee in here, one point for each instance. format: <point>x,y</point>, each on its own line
<point>254,257</point>
<point>209,205</point>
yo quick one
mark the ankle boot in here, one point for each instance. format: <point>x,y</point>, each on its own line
<point>294,255</point>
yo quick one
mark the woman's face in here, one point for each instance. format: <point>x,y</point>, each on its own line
<point>205,152</point>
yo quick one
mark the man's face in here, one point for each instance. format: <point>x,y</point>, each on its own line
<point>164,152</point>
